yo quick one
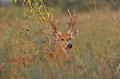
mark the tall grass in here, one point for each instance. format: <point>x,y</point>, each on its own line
<point>97,47</point>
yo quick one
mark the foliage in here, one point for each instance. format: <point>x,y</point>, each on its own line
<point>82,5</point>
<point>22,45</point>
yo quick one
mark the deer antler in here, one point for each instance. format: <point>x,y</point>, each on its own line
<point>51,22</point>
<point>71,24</point>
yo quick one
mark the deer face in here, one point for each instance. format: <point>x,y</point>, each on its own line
<point>65,39</point>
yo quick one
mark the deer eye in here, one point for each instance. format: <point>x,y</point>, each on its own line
<point>69,38</point>
<point>62,39</point>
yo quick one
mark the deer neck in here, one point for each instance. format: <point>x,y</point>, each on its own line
<point>61,53</point>
<point>59,47</point>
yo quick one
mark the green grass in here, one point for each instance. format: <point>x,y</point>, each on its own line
<point>97,46</point>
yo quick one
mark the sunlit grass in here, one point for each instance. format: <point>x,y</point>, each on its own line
<point>22,47</point>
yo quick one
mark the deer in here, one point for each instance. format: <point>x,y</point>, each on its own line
<point>62,43</point>
<point>63,40</point>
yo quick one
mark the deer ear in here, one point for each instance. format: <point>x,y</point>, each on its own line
<point>74,33</point>
<point>57,34</point>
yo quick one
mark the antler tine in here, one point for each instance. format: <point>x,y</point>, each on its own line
<point>51,22</point>
<point>69,13</point>
<point>74,17</point>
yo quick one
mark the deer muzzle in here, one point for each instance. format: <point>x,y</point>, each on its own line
<point>69,46</point>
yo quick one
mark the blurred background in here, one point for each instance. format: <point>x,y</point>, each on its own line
<point>79,5</point>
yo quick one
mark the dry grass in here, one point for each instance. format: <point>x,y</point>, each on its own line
<point>97,47</point>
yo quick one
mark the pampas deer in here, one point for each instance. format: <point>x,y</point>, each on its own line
<point>63,40</point>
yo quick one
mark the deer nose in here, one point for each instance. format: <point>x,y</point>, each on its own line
<point>69,46</point>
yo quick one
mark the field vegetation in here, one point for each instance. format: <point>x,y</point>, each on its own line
<point>23,44</point>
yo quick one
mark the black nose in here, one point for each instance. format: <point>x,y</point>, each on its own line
<point>69,46</point>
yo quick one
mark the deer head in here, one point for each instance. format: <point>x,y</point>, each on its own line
<point>64,39</point>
